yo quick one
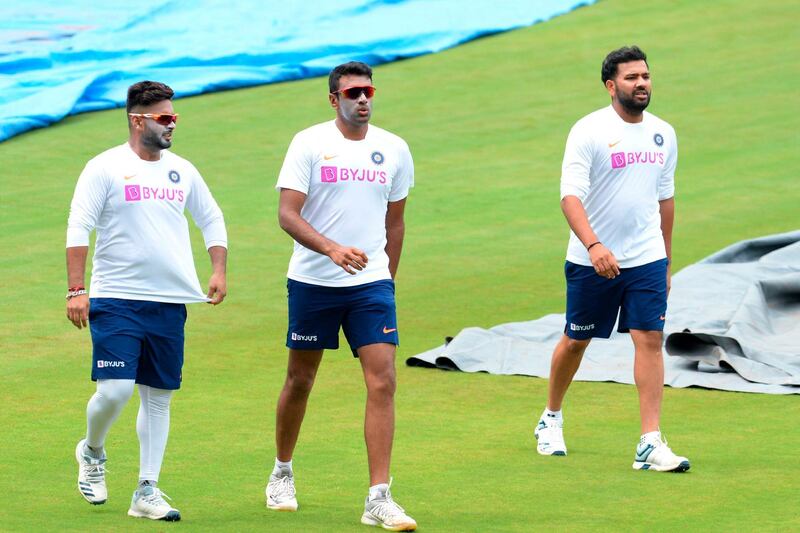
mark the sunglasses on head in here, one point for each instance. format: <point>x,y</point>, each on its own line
<point>165,119</point>
<point>354,93</point>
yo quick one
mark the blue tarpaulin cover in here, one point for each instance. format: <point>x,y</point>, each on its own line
<point>64,57</point>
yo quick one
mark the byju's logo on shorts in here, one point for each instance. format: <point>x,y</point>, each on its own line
<point>110,364</point>
<point>133,193</point>
<point>579,327</point>
<point>306,338</point>
<point>328,174</point>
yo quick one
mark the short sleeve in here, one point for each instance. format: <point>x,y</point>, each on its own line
<point>577,164</point>
<point>666,183</point>
<point>296,170</point>
<point>404,178</point>
<point>87,204</point>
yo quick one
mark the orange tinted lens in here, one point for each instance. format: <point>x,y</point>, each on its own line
<point>353,93</point>
<point>165,120</point>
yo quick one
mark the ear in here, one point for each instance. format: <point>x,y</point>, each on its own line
<point>611,87</point>
<point>334,100</point>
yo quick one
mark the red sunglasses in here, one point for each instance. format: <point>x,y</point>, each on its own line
<point>354,93</point>
<point>165,119</point>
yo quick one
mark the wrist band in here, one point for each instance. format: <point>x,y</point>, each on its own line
<point>76,288</point>
<point>72,294</point>
<point>590,246</point>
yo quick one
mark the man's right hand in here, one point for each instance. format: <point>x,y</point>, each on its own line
<point>78,310</point>
<point>349,258</point>
<point>603,261</point>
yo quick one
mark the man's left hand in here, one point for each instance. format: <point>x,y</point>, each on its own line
<point>217,288</point>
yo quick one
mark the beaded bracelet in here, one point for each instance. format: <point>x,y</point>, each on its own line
<point>73,293</point>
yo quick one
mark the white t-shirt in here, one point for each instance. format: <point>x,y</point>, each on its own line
<point>347,186</point>
<point>143,250</point>
<point>620,171</point>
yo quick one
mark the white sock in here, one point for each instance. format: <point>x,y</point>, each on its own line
<point>378,491</point>
<point>282,468</point>
<point>552,414</point>
<point>152,426</point>
<point>652,437</point>
<point>102,410</point>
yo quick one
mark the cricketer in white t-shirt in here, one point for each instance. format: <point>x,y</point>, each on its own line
<point>347,186</point>
<point>143,250</point>
<point>620,171</point>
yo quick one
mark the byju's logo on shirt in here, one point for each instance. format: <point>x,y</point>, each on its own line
<point>133,193</point>
<point>623,159</point>
<point>328,174</point>
<point>110,364</point>
<point>136,193</point>
<point>331,174</point>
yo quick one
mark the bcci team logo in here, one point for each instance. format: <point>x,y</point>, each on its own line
<point>174,177</point>
<point>658,139</point>
<point>377,157</point>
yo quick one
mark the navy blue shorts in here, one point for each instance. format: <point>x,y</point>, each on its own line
<point>134,339</point>
<point>366,313</point>
<point>638,295</point>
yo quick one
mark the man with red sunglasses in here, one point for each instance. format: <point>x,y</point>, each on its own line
<point>143,275</point>
<point>343,188</point>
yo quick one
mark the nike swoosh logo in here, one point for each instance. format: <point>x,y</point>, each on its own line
<point>328,157</point>
<point>129,177</point>
<point>386,330</point>
<point>612,145</point>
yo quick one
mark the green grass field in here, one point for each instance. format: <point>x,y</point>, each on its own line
<point>485,242</point>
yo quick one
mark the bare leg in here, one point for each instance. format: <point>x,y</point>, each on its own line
<point>377,362</point>
<point>300,375</point>
<point>567,358</point>
<point>648,372</point>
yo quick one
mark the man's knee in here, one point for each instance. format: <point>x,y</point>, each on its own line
<point>383,384</point>
<point>300,381</point>
<point>575,347</point>
<point>115,391</point>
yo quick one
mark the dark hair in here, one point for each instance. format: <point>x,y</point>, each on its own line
<point>625,54</point>
<point>146,93</point>
<point>351,68</point>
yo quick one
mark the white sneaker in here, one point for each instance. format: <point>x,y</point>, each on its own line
<point>384,512</point>
<point>91,475</point>
<point>280,492</point>
<point>549,434</point>
<point>148,502</point>
<point>657,456</point>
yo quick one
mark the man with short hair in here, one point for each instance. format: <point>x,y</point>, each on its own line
<point>143,274</point>
<point>343,189</point>
<point>617,187</point>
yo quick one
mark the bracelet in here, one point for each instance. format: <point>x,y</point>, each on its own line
<point>590,246</point>
<point>76,288</point>
<point>72,294</point>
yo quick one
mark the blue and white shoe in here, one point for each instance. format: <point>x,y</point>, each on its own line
<point>91,475</point>
<point>656,455</point>
<point>549,435</point>
<point>148,502</point>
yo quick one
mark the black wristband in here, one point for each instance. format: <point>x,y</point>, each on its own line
<point>590,246</point>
